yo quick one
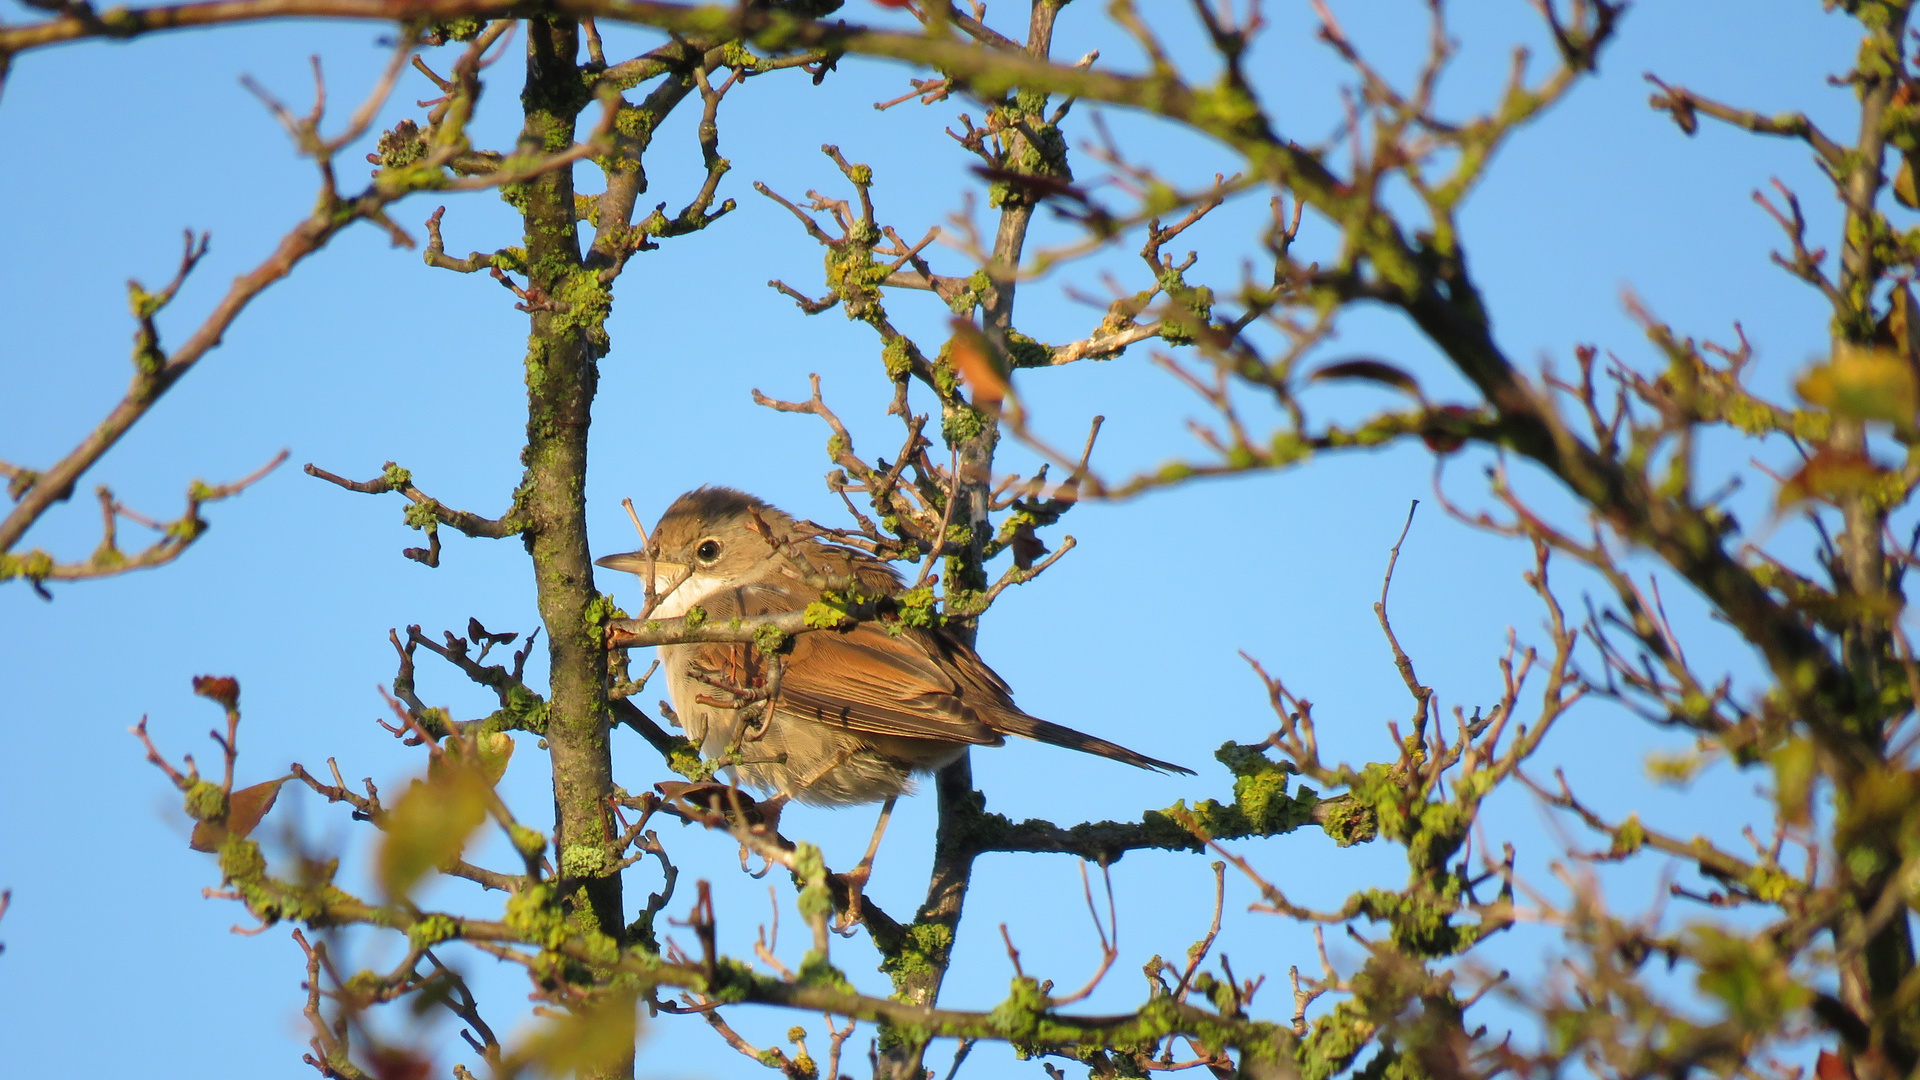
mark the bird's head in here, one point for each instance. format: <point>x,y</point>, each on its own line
<point>709,539</point>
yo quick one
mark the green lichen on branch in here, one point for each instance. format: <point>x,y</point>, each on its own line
<point>1262,806</point>
<point>523,710</point>
<point>921,948</point>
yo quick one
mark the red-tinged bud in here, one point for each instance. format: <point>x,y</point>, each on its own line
<point>224,689</point>
<point>1445,430</point>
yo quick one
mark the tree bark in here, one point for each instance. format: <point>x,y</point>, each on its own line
<point>568,307</point>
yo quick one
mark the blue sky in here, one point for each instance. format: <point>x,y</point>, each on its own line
<point>365,355</point>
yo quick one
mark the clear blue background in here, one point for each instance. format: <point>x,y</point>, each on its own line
<point>107,151</point>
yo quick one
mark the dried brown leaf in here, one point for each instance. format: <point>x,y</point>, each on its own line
<point>975,358</point>
<point>245,808</point>
<point>1368,370</point>
<point>224,689</point>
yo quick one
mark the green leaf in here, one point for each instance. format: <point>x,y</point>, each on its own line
<point>489,754</point>
<point>1793,771</point>
<point>1746,975</point>
<point>1630,837</point>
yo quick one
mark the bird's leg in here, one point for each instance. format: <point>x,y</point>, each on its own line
<point>856,878</point>
<point>864,870</point>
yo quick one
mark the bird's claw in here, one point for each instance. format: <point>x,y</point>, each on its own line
<point>847,920</point>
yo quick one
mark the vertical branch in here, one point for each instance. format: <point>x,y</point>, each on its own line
<point>959,804</point>
<point>565,341</point>
<point>1861,571</point>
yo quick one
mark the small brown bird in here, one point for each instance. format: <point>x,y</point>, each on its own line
<point>855,714</point>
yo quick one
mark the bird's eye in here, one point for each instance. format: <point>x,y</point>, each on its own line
<point>708,551</point>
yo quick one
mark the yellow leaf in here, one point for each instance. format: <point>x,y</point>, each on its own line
<point>1903,187</point>
<point>431,823</point>
<point>1867,384</point>
<point>1680,768</point>
<point>496,750</point>
<point>591,1039</point>
<point>1829,476</point>
<point>1899,329</point>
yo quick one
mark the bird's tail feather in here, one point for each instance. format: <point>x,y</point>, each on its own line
<point>1019,723</point>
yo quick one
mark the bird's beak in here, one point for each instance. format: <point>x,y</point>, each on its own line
<point>635,562</point>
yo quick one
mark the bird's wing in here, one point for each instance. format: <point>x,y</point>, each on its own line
<point>865,679</point>
<point>870,682</point>
<point>916,685</point>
